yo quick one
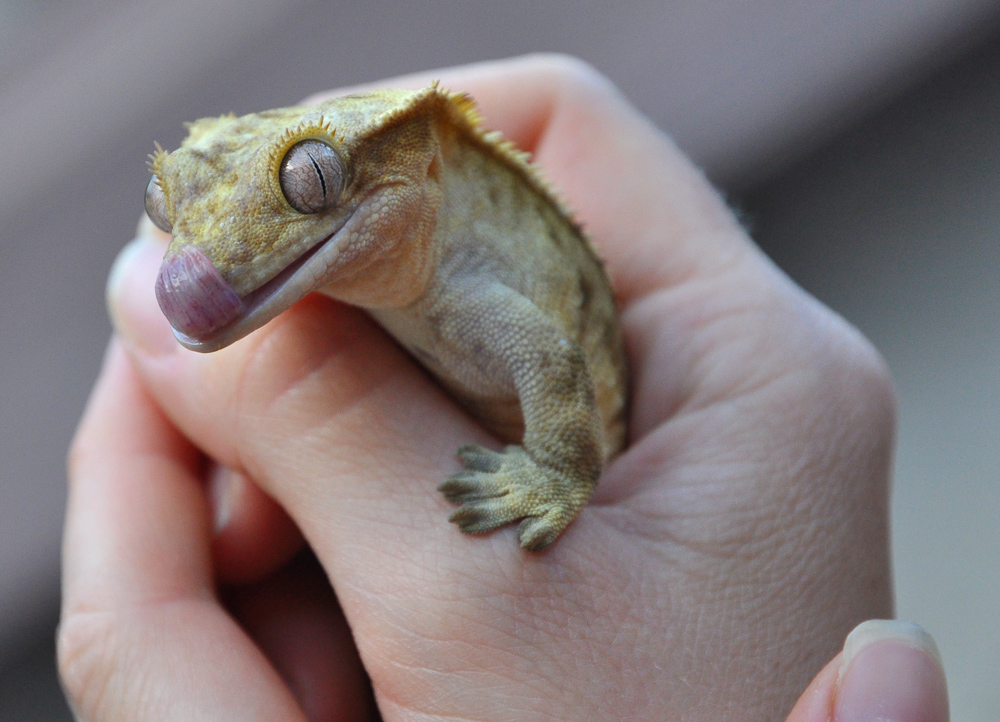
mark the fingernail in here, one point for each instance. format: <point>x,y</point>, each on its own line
<point>890,671</point>
<point>224,487</point>
<point>131,299</point>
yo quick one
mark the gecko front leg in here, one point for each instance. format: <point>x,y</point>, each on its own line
<point>550,476</point>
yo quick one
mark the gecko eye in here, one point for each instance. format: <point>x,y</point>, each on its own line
<point>311,176</point>
<point>156,205</point>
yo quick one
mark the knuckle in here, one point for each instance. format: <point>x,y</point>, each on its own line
<point>848,370</point>
<point>872,379</point>
<point>577,76</point>
<point>856,406</point>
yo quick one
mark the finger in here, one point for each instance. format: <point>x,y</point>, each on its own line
<point>658,222</point>
<point>254,536</point>
<point>888,670</point>
<point>142,636</point>
<point>295,619</point>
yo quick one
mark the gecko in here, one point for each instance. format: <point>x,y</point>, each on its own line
<point>401,203</point>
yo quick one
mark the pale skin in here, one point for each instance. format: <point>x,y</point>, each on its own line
<point>722,561</point>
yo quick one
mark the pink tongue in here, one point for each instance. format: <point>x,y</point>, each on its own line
<point>193,295</point>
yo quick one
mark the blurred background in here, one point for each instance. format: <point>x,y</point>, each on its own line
<point>859,138</point>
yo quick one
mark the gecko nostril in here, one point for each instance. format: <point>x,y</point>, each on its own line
<point>193,295</point>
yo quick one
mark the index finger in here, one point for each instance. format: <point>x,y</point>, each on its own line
<point>650,211</point>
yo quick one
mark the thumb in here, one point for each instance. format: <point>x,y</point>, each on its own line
<point>889,670</point>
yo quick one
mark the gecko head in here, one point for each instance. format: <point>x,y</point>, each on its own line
<point>266,208</point>
<point>254,206</point>
<point>254,228</point>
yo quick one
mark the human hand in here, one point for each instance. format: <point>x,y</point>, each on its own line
<point>722,560</point>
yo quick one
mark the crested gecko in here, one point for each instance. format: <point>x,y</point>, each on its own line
<point>399,202</point>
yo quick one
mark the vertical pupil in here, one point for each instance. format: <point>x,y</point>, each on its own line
<point>310,192</point>
<point>319,172</point>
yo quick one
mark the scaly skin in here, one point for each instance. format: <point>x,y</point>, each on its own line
<point>451,240</point>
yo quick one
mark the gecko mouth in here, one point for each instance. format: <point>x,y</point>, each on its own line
<point>206,313</point>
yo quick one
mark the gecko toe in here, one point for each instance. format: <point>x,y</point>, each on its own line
<point>471,486</point>
<point>536,533</point>
<point>479,458</point>
<point>479,517</point>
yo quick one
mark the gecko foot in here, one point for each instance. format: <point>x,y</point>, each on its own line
<point>498,488</point>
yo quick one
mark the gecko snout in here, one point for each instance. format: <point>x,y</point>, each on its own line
<point>193,295</point>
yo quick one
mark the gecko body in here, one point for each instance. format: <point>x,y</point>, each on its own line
<point>398,202</point>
